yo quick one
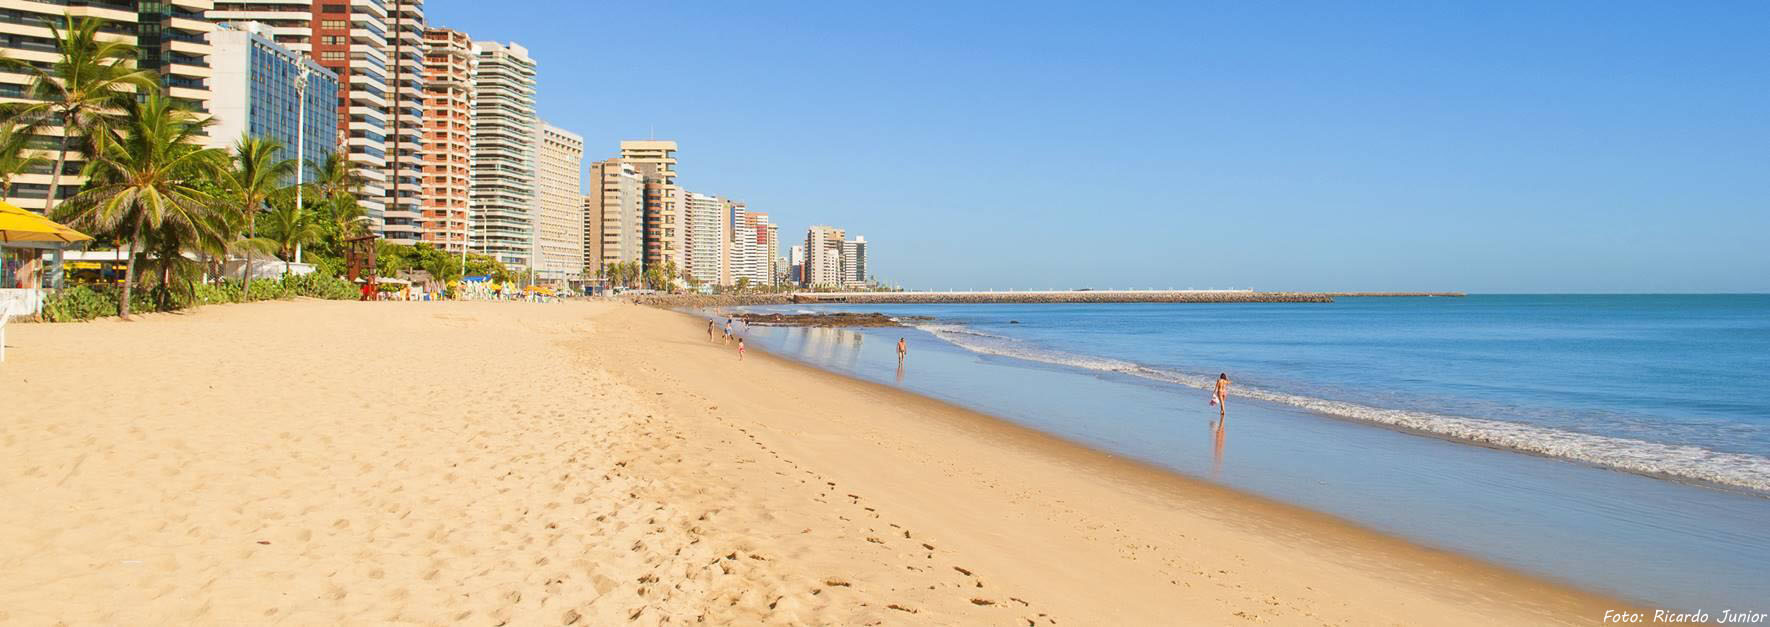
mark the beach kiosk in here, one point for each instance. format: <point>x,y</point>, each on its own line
<point>24,236</point>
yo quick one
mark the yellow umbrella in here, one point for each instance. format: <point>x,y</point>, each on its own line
<point>18,226</point>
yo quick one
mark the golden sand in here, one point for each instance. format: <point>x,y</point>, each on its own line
<point>318,462</point>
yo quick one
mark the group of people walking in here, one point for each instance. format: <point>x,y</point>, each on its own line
<point>728,337</point>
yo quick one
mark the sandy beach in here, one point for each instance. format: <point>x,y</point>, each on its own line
<point>316,462</point>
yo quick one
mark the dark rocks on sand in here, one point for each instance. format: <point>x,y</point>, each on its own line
<point>844,319</point>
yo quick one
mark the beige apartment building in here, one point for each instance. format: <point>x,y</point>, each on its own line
<point>448,129</point>
<point>823,256</point>
<point>655,160</point>
<point>559,220</point>
<point>171,37</point>
<point>614,215</point>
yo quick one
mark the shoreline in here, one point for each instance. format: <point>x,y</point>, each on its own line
<point>602,463</point>
<point>1021,297</point>
<point>1150,480</point>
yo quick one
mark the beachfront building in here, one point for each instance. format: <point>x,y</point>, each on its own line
<point>403,222</point>
<point>655,160</point>
<point>592,244</point>
<point>448,130</point>
<point>705,245</point>
<point>255,91</point>
<point>501,196</point>
<point>823,257</point>
<point>351,39</point>
<point>772,248</point>
<point>615,214</point>
<point>729,211</point>
<point>751,259</point>
<point>172,40</point>
<point>559,220</point>
<point>796,265</point>
<point>854,262</point>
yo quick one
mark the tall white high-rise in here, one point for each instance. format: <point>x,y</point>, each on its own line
<point>751,258</point>
<point>706,240</point>
<point>403,221</point>
<point>502,199</point>
<point>854,262</point>
<point>559,223</point>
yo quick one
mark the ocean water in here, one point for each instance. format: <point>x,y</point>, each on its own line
<point>1620,443</point>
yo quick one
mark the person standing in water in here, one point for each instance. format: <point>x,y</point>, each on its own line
<point>1221,398</point>
<point>902,349</point>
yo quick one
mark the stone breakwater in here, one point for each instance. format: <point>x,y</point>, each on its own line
<point>1100,296</point>
<point>1093,296</point>
<point>1396,294</point>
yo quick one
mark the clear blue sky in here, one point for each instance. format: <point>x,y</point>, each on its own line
<point>1481,146</point>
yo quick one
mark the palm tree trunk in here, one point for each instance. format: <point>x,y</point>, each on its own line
<point>61,159</point>
<point>129,266</point>
<point>246,270</point>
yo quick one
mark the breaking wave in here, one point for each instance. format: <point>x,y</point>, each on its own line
<point>1676,461</point>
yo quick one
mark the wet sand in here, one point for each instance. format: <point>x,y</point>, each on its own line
<point>321,462</point>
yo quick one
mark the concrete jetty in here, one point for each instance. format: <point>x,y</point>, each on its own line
<point>1051,296</point>
<point>1063,296</point>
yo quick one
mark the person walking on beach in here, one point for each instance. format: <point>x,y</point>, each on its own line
<point>740,349</point>
<point>709,330</point>
<point>1221,398</point>
<point>902,350</point>
<point>727,338</point>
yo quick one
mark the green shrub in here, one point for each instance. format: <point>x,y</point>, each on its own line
<point>78,304</point>
<point>318,286</point>
<point>81,303</point>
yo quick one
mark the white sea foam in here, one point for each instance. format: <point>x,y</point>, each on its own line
<point>1677,461</point>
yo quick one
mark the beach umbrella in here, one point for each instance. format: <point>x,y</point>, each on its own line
<point>23,228</point>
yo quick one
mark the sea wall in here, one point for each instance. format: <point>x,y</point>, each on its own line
<point>1141,296</point>
<point>1092,296</point>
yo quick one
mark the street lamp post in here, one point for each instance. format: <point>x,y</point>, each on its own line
<point>300,138</point>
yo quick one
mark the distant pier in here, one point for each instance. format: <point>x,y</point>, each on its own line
<point>1066,296</point>
<point>1048,296</point>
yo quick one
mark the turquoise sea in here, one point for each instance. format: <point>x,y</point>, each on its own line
<point>1617,442</point>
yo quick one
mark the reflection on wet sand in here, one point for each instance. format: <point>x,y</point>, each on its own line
<point>1218,434</point>
<point>822,344</point>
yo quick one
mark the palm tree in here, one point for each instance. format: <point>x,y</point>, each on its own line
<point>149,180</point>
<point>83,91</point>
<point>16,156</point>
<point>335,175</point>
<point>256,174</point>
<point>336,183</point>
<point>289,227</point>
